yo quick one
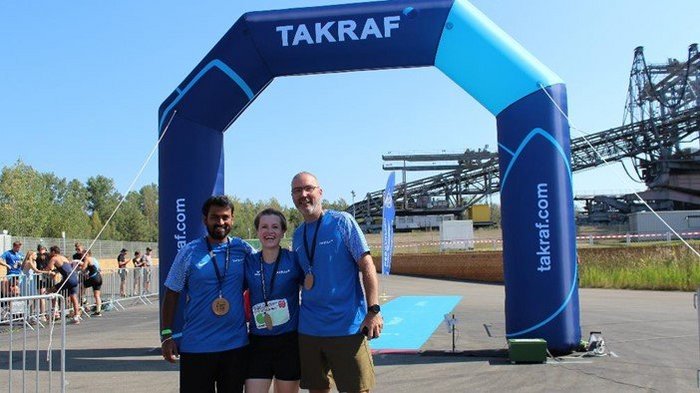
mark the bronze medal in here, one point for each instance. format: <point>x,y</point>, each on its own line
<point>268,321</point>
<point>220,306</point>
<point>309,278</point>
<point>308,281</point>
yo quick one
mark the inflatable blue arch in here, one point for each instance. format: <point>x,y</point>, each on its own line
<point>539,247</point>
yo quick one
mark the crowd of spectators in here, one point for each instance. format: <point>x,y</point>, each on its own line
<point>40,272</point>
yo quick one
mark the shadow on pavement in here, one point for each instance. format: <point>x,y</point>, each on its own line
<point>492,356</point>
<point>93,360</point>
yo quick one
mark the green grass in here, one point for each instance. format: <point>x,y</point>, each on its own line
<point>653,268</point>
<point>649,266</point>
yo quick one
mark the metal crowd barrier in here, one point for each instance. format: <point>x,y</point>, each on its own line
<point>29,345</point>
<point>120,286</point>
<point>22,285</point>
<point>27,310</point>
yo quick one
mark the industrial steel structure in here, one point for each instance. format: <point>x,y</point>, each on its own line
<point>664,99</point>
<point>661,121</point>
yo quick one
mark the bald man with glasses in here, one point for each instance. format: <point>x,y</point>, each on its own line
<point>336,318</point>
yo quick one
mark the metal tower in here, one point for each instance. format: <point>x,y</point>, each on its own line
<point>661,122</point>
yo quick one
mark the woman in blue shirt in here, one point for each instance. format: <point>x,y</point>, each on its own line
<point>273,278</point>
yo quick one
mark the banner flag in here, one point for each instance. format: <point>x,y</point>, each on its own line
<point>388,213</point>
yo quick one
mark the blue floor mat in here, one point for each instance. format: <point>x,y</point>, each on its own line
<point>409,321</point>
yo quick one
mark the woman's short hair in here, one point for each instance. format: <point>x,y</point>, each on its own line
<point>270,211</point>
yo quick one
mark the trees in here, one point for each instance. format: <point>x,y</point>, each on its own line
<point>339,205</point>
<point>67,213</point>
<point>149,208</point>
<point>129,221</point>
<point>43,205</point>
<point>25,199</point>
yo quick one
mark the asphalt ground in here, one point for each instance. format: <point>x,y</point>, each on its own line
<point>653,336</point>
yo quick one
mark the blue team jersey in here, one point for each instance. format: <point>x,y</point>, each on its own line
<point>335,305</point>
<point>192,274</point>
<point>14,259</point>
<point>283,301</point>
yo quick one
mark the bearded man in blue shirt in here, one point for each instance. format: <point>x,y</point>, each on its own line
<point>335,318</point>
<point>209,271</point>
<point>12,260</point>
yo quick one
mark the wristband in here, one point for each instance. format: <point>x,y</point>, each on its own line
<point>166,332</point>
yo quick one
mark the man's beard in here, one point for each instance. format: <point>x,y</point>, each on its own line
<point>218,235</point>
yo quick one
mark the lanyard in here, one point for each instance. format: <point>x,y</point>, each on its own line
<point>216,267</point>
<point>310,255</point>
<point>274,274</point>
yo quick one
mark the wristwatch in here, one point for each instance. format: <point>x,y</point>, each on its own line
<point>374,309</point>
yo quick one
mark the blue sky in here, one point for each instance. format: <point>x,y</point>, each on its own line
<point>81,82</point>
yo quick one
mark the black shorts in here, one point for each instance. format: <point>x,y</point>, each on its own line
<point>201,372</point>
<point>94,282</point>
<point>71,287</point>
<point>275,356</point>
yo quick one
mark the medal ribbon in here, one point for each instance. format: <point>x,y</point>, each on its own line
<point>219,278</point>
<point>274,274</point>
<point>310,255</point>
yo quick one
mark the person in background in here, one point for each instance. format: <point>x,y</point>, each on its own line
<point>138,273</point>
<point>69,280</point>
<point>42,257</point>
<point>79,251</point>
<point>273,278</point>
<point>93,279</point>
<point>147,262</point>
<point>29,270</point>
<point>33,279</point>
<point>12,260</point>
<point>122,271</point>
<point>42,263</point>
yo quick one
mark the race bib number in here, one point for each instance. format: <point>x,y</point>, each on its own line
<point>278,309</point>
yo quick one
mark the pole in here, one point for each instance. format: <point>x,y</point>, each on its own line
<point>453,333</point>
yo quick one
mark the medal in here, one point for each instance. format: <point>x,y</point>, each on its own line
<point>266,296</point>
<point>309,278</point>
<point>308,281</point>
<point>220,306</point>
<point>268,321</point>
